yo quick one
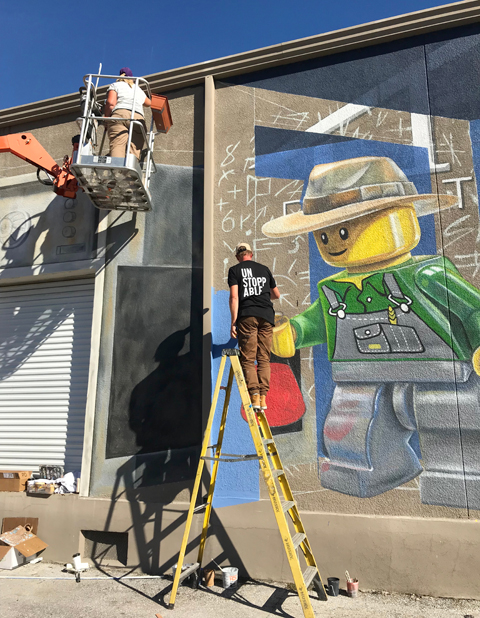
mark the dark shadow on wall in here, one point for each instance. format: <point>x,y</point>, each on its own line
<point>33,242</point>
<point>61,232</point>
<point>152,522</point>
<point>160,405</point>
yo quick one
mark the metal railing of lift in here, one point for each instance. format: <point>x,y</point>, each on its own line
<point>91,100</point>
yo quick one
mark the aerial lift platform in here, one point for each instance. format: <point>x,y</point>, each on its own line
<point>112,183</point>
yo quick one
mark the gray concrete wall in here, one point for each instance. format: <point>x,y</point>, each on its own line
<point>432,556</point>
<point>147,421</point>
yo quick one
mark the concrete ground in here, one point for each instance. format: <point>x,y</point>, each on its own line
<point>146,598</point>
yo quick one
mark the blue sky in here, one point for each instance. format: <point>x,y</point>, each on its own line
<point>46,48</point>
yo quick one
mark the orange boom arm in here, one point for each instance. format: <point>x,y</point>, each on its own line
<point>26,147</point>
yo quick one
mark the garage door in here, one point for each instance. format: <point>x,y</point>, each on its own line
<point>45,333</point>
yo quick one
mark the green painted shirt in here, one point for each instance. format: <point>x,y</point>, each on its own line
<point>441,297</point>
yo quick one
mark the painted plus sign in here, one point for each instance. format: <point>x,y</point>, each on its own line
<point>221,203</point>
<point>235,191</point>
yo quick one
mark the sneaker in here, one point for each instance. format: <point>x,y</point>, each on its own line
<point>256,401</point>
<point>263,402</point>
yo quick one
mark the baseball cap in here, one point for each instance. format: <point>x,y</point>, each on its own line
<point>127,71</point>
<point>242,246</point>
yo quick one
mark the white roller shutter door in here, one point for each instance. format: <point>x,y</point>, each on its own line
<point>45,331</point>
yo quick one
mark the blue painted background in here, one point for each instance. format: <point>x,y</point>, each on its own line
<point>236,482</point>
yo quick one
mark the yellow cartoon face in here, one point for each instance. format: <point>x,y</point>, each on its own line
<point>370,239</point>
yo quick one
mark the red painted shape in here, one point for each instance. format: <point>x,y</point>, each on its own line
<point>284,400</point>
<point>337,430</point>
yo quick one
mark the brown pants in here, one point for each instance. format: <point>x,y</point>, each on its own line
<point>255,343</point>
<point>118,134</point>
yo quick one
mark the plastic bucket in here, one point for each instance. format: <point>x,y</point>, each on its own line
<point>333,587</point>
<point>230,577</point>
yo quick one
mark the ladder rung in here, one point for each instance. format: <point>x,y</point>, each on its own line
<point>298,538</point>
<point>201,506</point>
<point>231,457</point>
<point>230,352</point>
<point>309,574</point>
<point>189,571</point>
<point>286,506</point>
<point>277,473</point>
<point>267,441</point>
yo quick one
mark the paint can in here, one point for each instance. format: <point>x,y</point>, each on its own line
<point>352,588</point>
<point>230,577</point>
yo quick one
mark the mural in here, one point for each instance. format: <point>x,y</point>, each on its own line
<point>357,185</point>
<point>386,320</point>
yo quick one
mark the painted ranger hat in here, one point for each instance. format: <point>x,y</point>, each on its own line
<point>352,188</point>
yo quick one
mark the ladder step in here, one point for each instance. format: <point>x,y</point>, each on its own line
<point>267,441</point>
<point>189,571</point>
<point>231,457</point>
<point>287,505</point>
<point>277,473</point>
<point>308,575</point>
<point>200,507</point>
<point>298,538</point>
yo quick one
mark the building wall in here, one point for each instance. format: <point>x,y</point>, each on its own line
<point>348,443</point>
<point>147,424</point>
<point>145,397</point>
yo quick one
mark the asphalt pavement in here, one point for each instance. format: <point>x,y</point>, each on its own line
<point>48,597</point>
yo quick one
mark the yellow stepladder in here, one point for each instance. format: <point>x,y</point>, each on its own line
<point>281,495</point>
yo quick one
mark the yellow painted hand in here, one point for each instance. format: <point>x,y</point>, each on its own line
<point>283,337</point>
<point>476,361</point>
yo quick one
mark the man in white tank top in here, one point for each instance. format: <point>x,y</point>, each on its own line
<point>121,97</point>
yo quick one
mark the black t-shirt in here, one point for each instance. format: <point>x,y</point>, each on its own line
<point>254,283</point>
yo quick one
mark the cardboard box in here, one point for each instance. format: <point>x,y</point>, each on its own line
<point>41,486</point>
<point>161,113</point>
<point>19,546</point>
<point>9,523</point>
<point>13,480</point>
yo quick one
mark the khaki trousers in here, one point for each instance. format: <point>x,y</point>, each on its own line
<point>255,343</point>
<point>118,134</point>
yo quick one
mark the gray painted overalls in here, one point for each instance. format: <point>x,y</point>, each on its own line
<point>378,404</point>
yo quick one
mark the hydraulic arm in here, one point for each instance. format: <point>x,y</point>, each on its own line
<point>26,147</point>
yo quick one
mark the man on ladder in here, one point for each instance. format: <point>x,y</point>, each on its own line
<point>252,289</point>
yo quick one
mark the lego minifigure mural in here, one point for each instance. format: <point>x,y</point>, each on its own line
<point>393,324</point>
<point>356,181</point>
